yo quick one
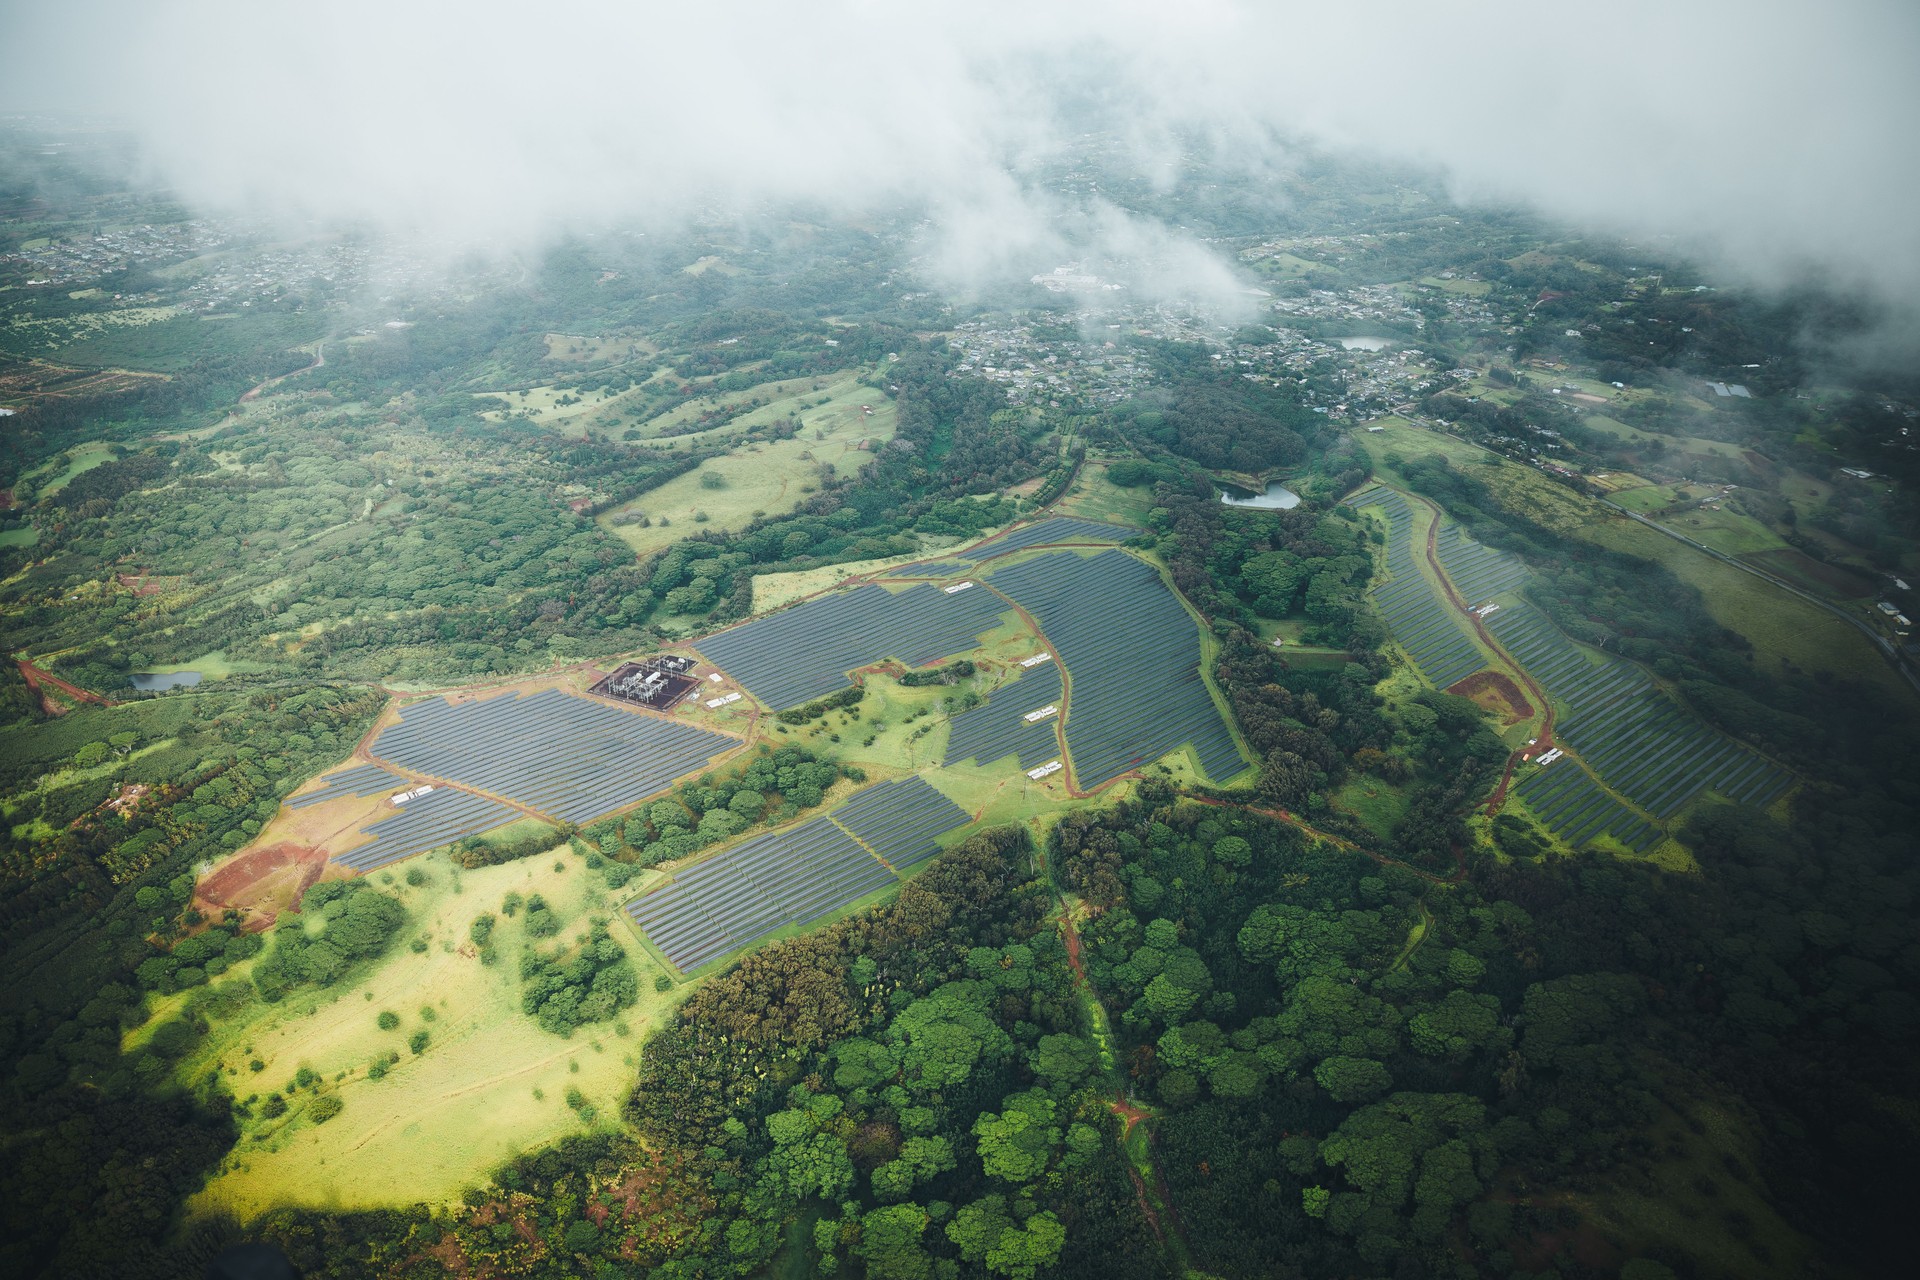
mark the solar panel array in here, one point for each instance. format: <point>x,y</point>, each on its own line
<point>1423,622</point>
<point>1045,532</point>
<point>995,730</point>
<point>1566,798</point>
<point>901,820</point>
<point>805,652</point>
<point>795,876</point>
<point>574,758</point>
<point>738,896</point>
<point>360,780</point>
<point>1643,744</point>
<point>1479,572</point>
<point>1132,655</point>
<point>440,817</point>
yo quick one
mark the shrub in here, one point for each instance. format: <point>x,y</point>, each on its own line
<point>325,1107</point>
<point>388,1020</point>
<point>417,1042</point>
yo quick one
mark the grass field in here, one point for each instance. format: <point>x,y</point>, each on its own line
<point>1633,435</point>
<point>768,477</point>
<point>80,458</point>
<point>1703,1198</point>
<point>24,536</point>
<point>771,590</point>
<point>1782,627</point>
<point>214,666</point>
<point>1094,497</point>
<point>1379,804</point>
<point>489,1085</point>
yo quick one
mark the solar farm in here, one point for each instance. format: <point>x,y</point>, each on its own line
<point>565,756</point>
<point>1479,572</point>
<point>795,876</point>
<point>999,728</point>
<point>360,780</point>
<point>1132,656</point>
<point>1643,745</point>
<point>1051,532</point>
<point>439,817</point>
<point>1422,621</point>
<point>802,653</point>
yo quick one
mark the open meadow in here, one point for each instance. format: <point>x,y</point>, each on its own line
<point>762,477</point>
<point>488,1084</point>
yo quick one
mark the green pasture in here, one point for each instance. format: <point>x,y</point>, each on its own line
<point>489,1085</point>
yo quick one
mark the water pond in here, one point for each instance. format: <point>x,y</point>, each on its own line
<point>1276,498</point>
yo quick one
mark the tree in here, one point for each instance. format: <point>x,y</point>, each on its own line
<point>890,1243</point>
<point>1018,1143</point>
<point>1352,1079</point>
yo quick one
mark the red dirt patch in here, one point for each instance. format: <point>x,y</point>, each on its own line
<point>264,882</point>
<point>1497,692</point>
<point>1803,570</point>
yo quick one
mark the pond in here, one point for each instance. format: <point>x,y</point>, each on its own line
<point>1277,497</point>
<point>1365,344</point>
<point>160,681</point>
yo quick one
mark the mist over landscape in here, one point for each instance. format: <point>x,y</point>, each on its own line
<point>999,642</point>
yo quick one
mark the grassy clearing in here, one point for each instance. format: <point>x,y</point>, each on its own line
<point>1783,628</point>
<point>771,590</point>
<point>1379,804</point>
<point>214,666</point>
<point>761,478</point>
<point>1633,435</point>
<point>1704,1200</point>
<point>1728,531</point>
<point>597,349</point>
<point>489,1085</point>
<point>1094,497</point>
<point>24,536</point>
<point>1465,288</point>
<point>81,458</point>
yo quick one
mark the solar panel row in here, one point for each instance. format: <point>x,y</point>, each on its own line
<point>439,817</point>
<point>996,729</point>
<point>743,894</point>
<point>574,758</point>
<point>1567,799</point>
<point>901,820</point>
<point>1478,572</point>
<point>1643,744</point>
<point>1132,655</point>
<point>1423,622</point>
<point>1045,532</point>
<point>805,652</point>
<point>361,780</point>
<point>794,876</point>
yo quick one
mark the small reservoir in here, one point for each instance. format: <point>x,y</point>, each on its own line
<point>1277,497</point>
<point>161,681</point>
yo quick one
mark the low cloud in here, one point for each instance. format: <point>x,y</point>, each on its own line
<point>1773,139</point>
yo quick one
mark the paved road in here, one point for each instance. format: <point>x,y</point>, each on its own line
<point>1880,642</point>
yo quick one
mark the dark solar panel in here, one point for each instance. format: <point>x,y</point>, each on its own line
<point>1132,658</point>
<point>805,652</point>
<point>901,820</point>
<point>574,758</point>
<point>997,729</point>
<point>427,822</point>
<point>361,780</point>
<point>742,894</point>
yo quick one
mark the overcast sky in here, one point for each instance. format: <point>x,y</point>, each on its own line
<point>1777,138</point>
